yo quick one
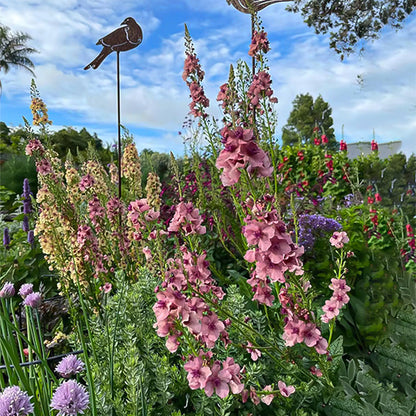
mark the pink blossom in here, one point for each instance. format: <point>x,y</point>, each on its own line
<point>339,238</point>
<point>374,145</point>
<point>43,167</point>
<point>211,327</point>
<point>188,219</point>
<point>322,346</point>
<point>218,381</point>
<point>260,88</point>
<point>233,369</point>
<point>255,353</point>
<point>106,288</point>
<point>259,43</point>
<point>34,146</point>
<point>86,182</point>
<point>285,391</point>
<point>198,373</point>
<point>253,396</point>
<point>192,66</point>
<point>267,398</point>
<point>342,146</point>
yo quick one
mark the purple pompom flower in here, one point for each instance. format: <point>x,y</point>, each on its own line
<point>33,300</point>
<point>6,238</point>
<point>15,402</point>
<point>70,398</point>
<point>8,290</point>
<point>69,366</point>
<point>25,290</point>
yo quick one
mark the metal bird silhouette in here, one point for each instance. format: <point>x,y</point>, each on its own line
<point>122,39</point>
<point>252,6</point>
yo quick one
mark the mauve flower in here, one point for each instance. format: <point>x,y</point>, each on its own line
<point>70,398</point>
<point>338,239</point>
<point>8,290</point>
<point>69,366</point>
<point>218,381</point>
<point>15,402</point>
<point>267,398</point>
<point>198,373</point>
<point>25,290</point>
<point>33,300</point>
<point>285,391</point>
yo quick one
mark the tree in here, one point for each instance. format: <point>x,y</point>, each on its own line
<point>350,22</point>
<point>347,22</point>
<point>306,115</point>
<point>13,51</point>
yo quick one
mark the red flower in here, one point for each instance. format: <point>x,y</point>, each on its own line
<point>342,146</point>
<point>316,141</point>
<point>370,200</point>
<point>374,145</point>
<point>378,197</point>
<point>324,139</point>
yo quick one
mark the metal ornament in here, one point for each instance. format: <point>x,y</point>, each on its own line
<point>124,38</point>
<point>252,6</point>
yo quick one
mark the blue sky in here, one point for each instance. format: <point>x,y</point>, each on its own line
<point>154,98</point>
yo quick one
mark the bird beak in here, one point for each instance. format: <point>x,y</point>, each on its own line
<point>124,22</point>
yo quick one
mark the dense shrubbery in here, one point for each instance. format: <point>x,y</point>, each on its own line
<point>257,280</point>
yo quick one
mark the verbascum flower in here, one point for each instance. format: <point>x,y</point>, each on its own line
<point>131,170</point>
<point>153,190</point>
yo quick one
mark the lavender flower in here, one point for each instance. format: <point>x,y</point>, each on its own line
<point>27,203</point>
<point>33,300</point>
<point>26,189</point>
<point>69,366</point>
<point>315,226</point>
<point>70,398</point>
<point>8,290</point>
<point>15,402</point>
<point>25,224</point>
<point>6,238</point>
<point>31,237</point>
<point>27,206</point>
<point>25,290</point>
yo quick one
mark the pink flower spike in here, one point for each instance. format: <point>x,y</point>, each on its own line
<point>285,391</point>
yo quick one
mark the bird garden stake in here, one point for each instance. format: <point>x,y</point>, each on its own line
<point>124,38</point>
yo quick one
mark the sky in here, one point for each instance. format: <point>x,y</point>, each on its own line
<point>372,94</point>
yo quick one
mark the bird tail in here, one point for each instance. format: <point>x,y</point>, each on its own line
<point>98,60</point>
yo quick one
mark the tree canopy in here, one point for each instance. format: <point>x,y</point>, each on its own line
<point>306,116</point>
<point>349,22</point>
<point>13,51</point>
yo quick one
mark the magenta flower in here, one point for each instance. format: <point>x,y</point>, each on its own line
<point>211,327</point>
<point>255,353</point>
<point>285,391</point>
<point>15,402</point>
<point>69,366</point>
<point>70,398</point>
<point>33,300</point>
<point>25,290</point>
<point>8,290</point>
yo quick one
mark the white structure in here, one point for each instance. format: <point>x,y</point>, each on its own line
<point>385,150</point>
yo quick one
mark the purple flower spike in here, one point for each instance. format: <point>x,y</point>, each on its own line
<point>70,398</point>
<point>26,189</point>
<point>25,290</point>
<point>69,366</point>
<point>25,224</point>
<point>27,206</point>
<point>33,300</point>
<point>6,238</point>
<point>31,237</point>
<point>8,291</point>
<point>15,402</point>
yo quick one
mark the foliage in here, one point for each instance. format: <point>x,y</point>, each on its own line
<point>307,119</point>
<point>349,23</point>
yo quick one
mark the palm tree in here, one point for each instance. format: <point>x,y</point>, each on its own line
<point>13,51</point>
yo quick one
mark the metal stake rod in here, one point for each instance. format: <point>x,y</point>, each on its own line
<point>119,124</point>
